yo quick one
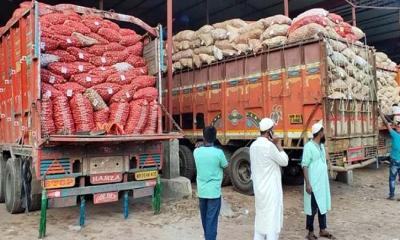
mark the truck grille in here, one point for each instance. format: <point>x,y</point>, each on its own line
<point>55,166</point>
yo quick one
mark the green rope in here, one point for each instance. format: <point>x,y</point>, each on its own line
<point>156,201</point>
<point>43,215</point>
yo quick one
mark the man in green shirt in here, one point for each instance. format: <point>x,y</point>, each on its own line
<point>210,163</point>
<point>317,196</point>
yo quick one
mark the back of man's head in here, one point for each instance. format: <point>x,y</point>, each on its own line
<point>210,134</point>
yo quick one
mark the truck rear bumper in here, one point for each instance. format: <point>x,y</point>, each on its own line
<point>116,187</point>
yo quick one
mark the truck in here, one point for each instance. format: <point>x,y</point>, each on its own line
<point>70,168</point>
<point>289,84</point>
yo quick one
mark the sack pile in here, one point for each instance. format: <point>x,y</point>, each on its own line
<point>383,61</point>
<point>319,22</point>
<point>350,71</point>
<point>210,43</point>
<point>93,76</point>
<point>230,38</point>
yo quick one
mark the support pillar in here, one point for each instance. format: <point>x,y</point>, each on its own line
<point>169,63</point>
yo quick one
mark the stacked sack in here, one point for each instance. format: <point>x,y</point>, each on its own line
<point>230,38</point>
<point>316,22</point>
<point>350,72</point>
<point>388,88</point>
<point>93,76</point>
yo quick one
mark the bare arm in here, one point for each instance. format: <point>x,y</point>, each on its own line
<point>384,120</point>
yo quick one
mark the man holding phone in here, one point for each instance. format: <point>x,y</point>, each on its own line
<point>266,159</point>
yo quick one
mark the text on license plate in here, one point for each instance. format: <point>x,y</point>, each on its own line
<point>146,175</point>
<point>59,183</point>
<point>105,197</point>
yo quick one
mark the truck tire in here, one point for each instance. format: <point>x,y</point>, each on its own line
<point>292,175</point>
<point>13,186</point>
<point>240,171</point>
<point>226,181</point>
<point>187,166</point>
<point>36,202</point>
<point>2,179</point>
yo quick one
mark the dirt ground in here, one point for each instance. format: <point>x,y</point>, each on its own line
<point>359,212</point>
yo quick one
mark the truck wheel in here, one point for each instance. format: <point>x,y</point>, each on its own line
<point>292,175</point>
<point>2,179</point>
<point>13,186</point>
<point>187,165</point>
<point>226,181</point>
<point>240,171</point>
<point>36,202</point>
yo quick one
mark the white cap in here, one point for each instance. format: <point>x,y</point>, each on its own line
<point>266,124</point>
<point>317,127</point>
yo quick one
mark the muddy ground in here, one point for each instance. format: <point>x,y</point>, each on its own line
<point>359,212</point>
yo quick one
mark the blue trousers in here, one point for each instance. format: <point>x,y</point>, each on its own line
<point>209,211</point>
<point>394,170</point>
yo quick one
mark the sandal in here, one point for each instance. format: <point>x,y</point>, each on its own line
<point>311,236</point>
<point>326,234</point>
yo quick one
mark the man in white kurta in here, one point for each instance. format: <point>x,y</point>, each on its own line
<point>266,158</point>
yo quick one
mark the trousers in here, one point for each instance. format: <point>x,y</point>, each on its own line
<point>394,170</point>
<point>209,211</point>
<point>310,219</point>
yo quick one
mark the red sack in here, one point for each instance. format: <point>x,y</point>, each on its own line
<point>79,54</point>
<point>138,114</point>
<point>111,25</point>
<point>143,82</point>
<point>99,50</point>
<point>82,112</point>
<point>107,90</point>
<point>73,16</point>
<point>118,55</point>
<point>151,125</point>
<point>119,113</point>
<point>99,61</point>
<point>343,29</point>
<point>335,18</point>
<point>61,29</point>
<point>69,89</point>
<point>62,116</point>
<point>130,40</point>
<point>51,78</point>
<point>139,71</point>
<point>136,61</point>
<point>351,37</point>
<point>103,72</point>
<point>63,56</point>
<point>124,95</point>
<point>87,80</point>
<point>101,116</point>
<point>97,37</point>
<point>149,93</point>
<point>49,91</point>
<point>54,18</point>
<point>126,32</point>
<point>121,78</point>
<point>46,118</point>
<point>68,69</point>
<point>307,20</point>
<point>94,24</point>
<point>77,26</point>
<point>48,44</point>
<point>136,49</point>
<point>109,34</point>
<point>67,41</point>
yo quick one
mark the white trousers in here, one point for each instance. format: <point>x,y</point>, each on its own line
<point>268,236</point>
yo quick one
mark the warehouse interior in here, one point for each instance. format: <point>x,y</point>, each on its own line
<point>379,19</point>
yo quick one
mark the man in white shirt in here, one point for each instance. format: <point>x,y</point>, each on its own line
<point>266,158</point>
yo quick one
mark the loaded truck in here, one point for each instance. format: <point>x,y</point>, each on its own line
<point>69,167</point>
<point>291,85</point>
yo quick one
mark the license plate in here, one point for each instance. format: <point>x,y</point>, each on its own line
<point>59,183</point>
<point>105,197</point>
<point>146,175</point>
<point>105,178</point>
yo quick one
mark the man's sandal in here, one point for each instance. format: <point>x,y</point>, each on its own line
<point>311,236</point>
<point>326,234</point>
